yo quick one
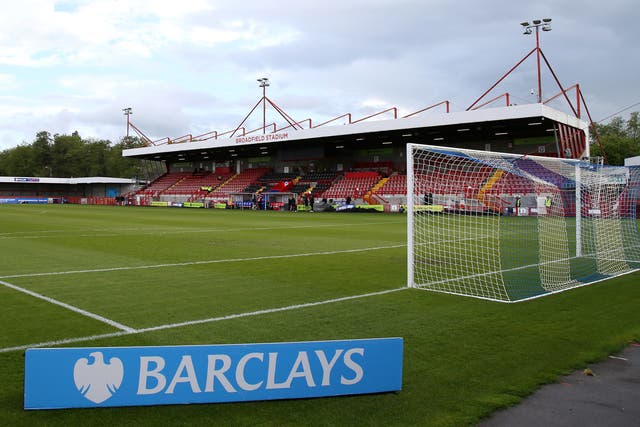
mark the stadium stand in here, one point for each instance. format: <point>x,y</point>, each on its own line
<point>238,183</point>
<point>396,184</point>
<point>191,185</point>
<point>161,184</point>
<point>268,181</point>
<point>316,182</point>
<point>369,186</point>
<point>540,171</point>
<point>352,184</point>
<point>389,190</point>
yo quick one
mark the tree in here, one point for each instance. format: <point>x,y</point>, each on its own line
<point>70,156</point>
<point>620,139</point>
<point>121,166</point>
<point>18,161</point>
<point>67,155</point>
<point>41,148</point>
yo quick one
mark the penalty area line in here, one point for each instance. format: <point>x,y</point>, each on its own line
<point>68,307</point>
<point>197,322</point>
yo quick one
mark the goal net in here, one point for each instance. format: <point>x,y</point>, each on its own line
<point>509,227</point>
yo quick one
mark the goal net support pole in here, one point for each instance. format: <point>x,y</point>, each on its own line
<point>410,224</point>
<point>578,217</point>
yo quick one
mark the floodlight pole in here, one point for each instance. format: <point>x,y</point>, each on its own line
<point>537,24</point>
<point>127,112</point>
<point>263,83</point>
<point>538,60</point>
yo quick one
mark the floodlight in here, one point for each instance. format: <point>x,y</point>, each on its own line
<point>527,31</point>
<point>546,28</point>
<point>524,24</point>
<point>546,20</point>
<point>537,21</point>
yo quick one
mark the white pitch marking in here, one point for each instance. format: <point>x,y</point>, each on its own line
<point>69,307</point>
<point>214,261</point>
<point>267,311</point>
<point>196,322</point>
<point>618,358</point>
<point>63,341</point>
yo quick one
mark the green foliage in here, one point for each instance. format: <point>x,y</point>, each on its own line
<point>69,156</point>
<point>463,358</point>
<point>619,138</point>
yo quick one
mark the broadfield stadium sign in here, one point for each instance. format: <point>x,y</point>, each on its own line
<point>269,137</point>
<point>57,378</point>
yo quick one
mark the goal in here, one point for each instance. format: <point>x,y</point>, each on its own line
<point>508,227</point>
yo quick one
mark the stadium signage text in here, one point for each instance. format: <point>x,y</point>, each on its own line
<point>270,137</point>
<point>139,376</point>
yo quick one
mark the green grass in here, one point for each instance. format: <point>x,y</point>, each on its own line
<point>145,267</point>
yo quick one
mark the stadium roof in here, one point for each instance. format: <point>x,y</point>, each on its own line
<point>447,129</point>
<point>632,161</point>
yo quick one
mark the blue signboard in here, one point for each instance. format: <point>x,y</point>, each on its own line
<point>137,376</point>
<point>24,200</point>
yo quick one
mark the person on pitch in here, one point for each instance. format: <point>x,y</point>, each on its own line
<point>547,204</point>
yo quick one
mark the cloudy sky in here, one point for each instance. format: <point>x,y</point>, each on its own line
<point>190,66</point>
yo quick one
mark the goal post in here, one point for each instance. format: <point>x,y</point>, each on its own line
<point>509,227</point>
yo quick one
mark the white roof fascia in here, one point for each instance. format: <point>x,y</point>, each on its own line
<point>463,117</point>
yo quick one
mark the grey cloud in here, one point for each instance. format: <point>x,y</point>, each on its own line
<point>408,53</point>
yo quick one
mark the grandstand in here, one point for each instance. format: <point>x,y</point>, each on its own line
<point>346,158</point>
<point>352,184</point>
<point>361,161</point>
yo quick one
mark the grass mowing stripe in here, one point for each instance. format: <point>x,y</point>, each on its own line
<point>194,322</point>
<point>269,310</point>
<point>214,261</point>
<point>68,307</point>
<point>140,231</point>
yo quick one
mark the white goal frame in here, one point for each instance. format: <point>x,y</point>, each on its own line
<point>560,249</point>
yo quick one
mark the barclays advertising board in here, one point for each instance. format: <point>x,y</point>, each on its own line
<point>138,376</point>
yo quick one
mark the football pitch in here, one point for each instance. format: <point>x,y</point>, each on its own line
<point>126,276</point>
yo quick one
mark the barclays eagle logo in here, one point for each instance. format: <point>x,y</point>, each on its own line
<point>98,381</point>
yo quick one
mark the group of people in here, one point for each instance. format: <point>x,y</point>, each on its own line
<point>307,199</point>
<point>292,205</point>
<point>548,201</point>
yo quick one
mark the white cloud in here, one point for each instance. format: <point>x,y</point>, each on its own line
<point>374,103</point>
<point>7,81</point>
<point>190,66</point>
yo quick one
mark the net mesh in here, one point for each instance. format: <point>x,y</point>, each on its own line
<point>507,227</point>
